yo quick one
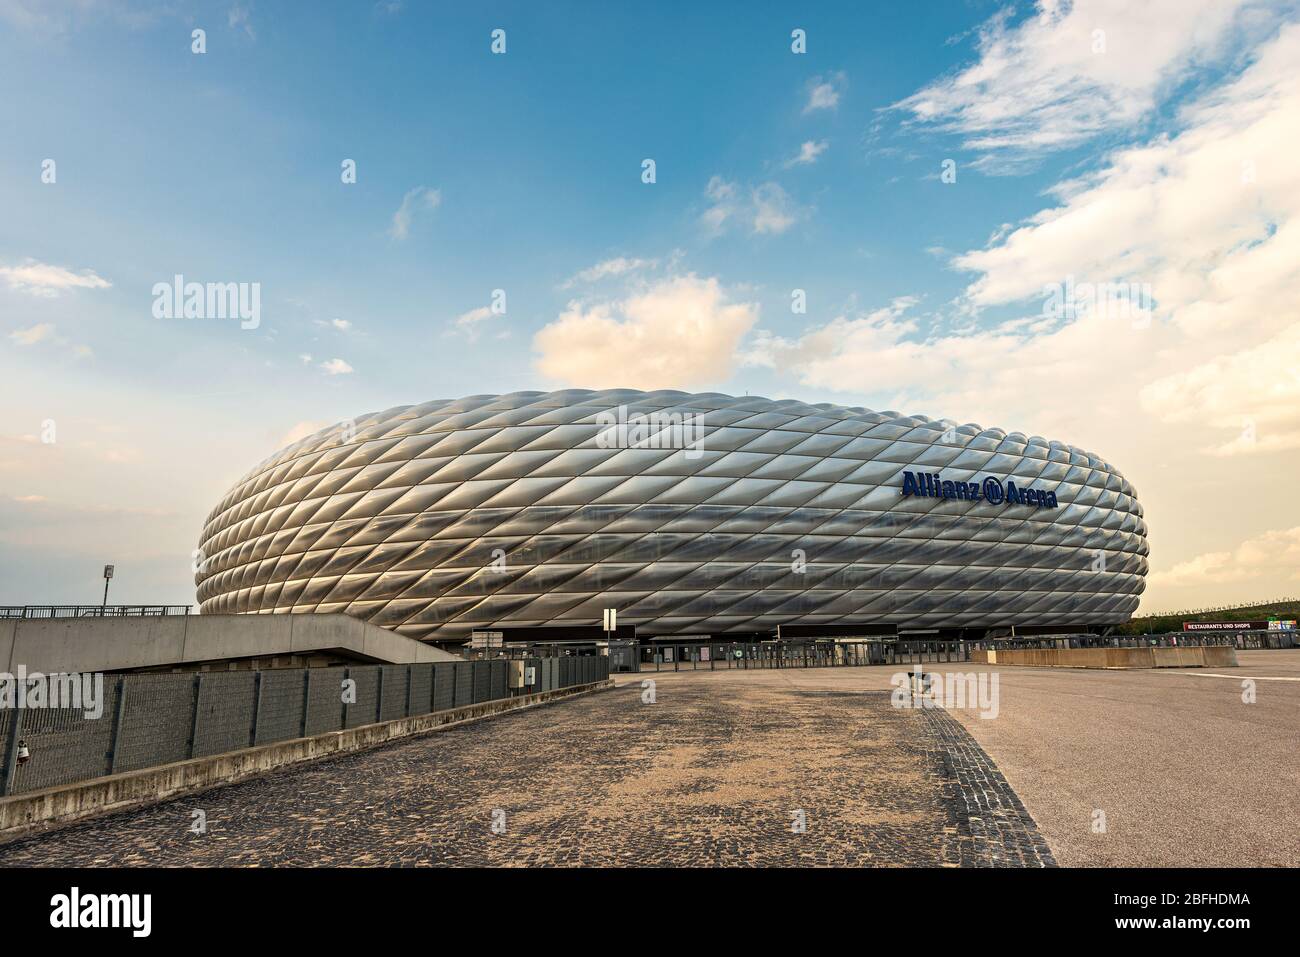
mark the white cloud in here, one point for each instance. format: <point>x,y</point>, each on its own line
<point>421,198</point>
<point>45,332</point>
<point>762,209</point>
<point>774,211</point>
<point>33,334</point>
<point>808,154</point>
<point>468,323</point>
<point>1274,553</point>
<point>300,430</point>
<point>237,18</point>
<point>1070,71</point>
<point>723,197</point>
<point>678,333</point>
<point>618,266</point>
<point>335,367</point>
<point>1209,220</point>
<point>468,319</point>
<point>42,279</point>
<point>342,325</point>
<point>1209,217</point>
<point>1254,394</point>
<point>824,92</point>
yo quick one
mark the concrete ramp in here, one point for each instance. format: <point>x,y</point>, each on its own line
<point>189,642</point>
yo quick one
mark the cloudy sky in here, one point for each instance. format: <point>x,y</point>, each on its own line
<point>918,212</point>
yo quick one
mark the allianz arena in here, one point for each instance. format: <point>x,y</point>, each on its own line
<point>691,514</point>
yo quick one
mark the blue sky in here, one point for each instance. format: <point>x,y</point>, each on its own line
<point>524,171</point>
<point>227,164</point>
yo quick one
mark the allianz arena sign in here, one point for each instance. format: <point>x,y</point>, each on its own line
<point>991,490</point>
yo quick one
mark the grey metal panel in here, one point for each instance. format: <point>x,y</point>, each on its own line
<point>394,692</point>
<point>365,710</point>
<point>464,683</point>
<point>500,687</point>
<point>279,714</point>
<point>325,700</point>
<point>65,745</point>
<point>444,686</point>
<point>482,681</point>
<point>156,715</point>
<point>225,712</point>
<point>421,689</point>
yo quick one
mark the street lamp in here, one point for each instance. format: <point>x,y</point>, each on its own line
<point>108,574</point>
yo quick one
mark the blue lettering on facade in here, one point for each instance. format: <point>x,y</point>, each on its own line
<point>991,490</point>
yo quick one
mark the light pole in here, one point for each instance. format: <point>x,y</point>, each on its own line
<point>108,574</point>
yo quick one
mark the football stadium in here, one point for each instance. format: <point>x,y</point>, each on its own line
<point>690,514</point>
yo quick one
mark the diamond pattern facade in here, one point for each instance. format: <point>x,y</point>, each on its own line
<point>525,510</point>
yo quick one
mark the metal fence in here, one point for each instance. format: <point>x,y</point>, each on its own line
<point>90,611</point>
<point>1172,639</point>
<point>719,656</point>
<point>826,653</point>
<point>152,719</point>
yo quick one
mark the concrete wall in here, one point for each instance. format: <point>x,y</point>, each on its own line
<point>127,643</point>
<point>1220,656</point>
<point>1185,657</point>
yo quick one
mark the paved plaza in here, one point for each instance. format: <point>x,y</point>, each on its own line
<point>1185,772</point>
<point>722,767</point>
<point>747,769</point>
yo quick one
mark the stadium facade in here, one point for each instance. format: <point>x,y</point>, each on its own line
<point>690,514</point>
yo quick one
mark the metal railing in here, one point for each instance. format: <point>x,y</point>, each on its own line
<point>90,611</point>
<point>719,656</point>
<point>1180,639</point>
<point>145,720</point>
